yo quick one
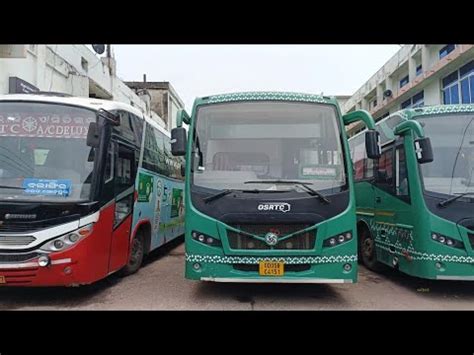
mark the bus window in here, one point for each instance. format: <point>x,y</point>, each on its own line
<point>125,174</point>
<point>358,156</point>
<point>369,168</point>
<point>385,169</point>
<point>401,173</point>
<point>152,151</point>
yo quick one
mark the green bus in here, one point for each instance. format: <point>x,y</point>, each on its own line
<point>415,204</point>
<point>269,193</point>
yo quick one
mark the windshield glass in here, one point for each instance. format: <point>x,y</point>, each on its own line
<point>452,138</point>
<point>43,152</point>
<point>238,143</point>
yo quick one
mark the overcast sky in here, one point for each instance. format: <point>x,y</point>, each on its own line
<point>198,70</point>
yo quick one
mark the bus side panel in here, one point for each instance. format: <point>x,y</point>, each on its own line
<point>160,200</point>
<point>120,245</point>
<point>172,212</point>
<point>146,199</point>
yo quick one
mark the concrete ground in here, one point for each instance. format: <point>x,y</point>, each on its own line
<point>160,285</point>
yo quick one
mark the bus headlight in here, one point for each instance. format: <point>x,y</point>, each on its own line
<point>450,242</point>
<point>205,239</point>
<point>338,239</point>
<point>67,240</point>
<point>58,244</point>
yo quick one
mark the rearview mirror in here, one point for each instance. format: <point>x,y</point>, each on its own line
<point>93,135</point>
<point>372,144</point>
<point>178,141</point>
<point>424,150</point>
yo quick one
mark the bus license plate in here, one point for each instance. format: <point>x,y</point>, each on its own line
<point>271,268</point>
<point>2,280</point>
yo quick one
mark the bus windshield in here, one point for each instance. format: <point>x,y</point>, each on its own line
<point>43,152</point>
<point>452,138</point>
<point>236,145</point>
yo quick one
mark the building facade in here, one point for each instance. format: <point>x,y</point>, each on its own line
<point>162,98</point>
<point>71,69</point>
<point>417,75</point>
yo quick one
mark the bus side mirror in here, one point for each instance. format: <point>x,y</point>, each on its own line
<point>372,144</point>
<point>93,135</point>
<point>178,141</point>
<point>424,150</point>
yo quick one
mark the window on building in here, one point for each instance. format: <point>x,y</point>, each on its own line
<point>373,103</point>
<point>416,100</point>
<point>419,70</point>
<point>443,52</point>
<point>404,81</point>
<point>458,87</point>
<point>406,104</point>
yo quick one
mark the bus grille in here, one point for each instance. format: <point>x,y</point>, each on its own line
<point>300,241</point>
<point>289,267</point>
<point>8,241</point>
<point>15,258</point>
<point>11,226</point>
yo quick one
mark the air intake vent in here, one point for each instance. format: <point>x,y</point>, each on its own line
<point>12,258</point>
<point>8,241</point>
<point>300,241</point>
<point>18,226</point>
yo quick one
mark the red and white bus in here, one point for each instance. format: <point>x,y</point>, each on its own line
<point>87,187</point>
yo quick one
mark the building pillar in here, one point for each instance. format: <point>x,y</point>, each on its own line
<point>411,69</point>
<point>425,58</point>
<point>379,94</point>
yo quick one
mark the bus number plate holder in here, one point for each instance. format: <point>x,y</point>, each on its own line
<point>271,268</point>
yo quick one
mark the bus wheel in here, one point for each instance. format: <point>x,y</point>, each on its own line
<point>137,251</point>
<point>367,251</point>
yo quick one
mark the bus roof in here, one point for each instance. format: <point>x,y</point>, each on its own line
<point>265,95</point>
<point>86,102</point>
<point>91,103</point>
<point>414,113</point>
<point>436,109</point>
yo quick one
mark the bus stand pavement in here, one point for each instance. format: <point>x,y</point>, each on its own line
<point>160,285</point>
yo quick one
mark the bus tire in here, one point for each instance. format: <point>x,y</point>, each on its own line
<point>137,252</point>
<point>367,253</point>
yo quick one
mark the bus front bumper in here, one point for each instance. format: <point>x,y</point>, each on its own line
<point>277,280</point>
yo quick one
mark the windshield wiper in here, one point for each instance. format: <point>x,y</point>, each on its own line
<point>303,184</point>
<point>12,187</point>
<point>450,200</point>
<point>224,193</point>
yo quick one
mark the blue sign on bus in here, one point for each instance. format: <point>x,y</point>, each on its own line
<point>60,187</point>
